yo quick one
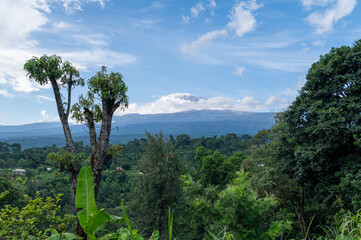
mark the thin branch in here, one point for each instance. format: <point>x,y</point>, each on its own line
<point>116,106</point>
<point>45,163</point>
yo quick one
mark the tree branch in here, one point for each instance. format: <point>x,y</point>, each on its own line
<point>115,107</point>
<point>45,163</point>
<point>69,95</point>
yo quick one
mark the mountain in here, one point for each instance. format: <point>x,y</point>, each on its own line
<point>195,123</point>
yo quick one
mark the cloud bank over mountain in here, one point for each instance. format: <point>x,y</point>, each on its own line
<point>180,102</point>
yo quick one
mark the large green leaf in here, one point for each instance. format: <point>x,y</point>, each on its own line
<point>65,236</point>
<point>70,236</point>
<point>155,235</point>
<point>85,190</point>
<point>97,221</point>
<point>85,198</point>
<point>116,219</point>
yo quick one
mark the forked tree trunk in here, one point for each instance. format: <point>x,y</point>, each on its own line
<point>69,143</point>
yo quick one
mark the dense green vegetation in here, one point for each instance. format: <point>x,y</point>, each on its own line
<point>298,180</point>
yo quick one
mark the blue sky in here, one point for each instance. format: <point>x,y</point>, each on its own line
<point>248,55</point>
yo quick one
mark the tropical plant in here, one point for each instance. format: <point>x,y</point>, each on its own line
<point>90,218</point>
<point>55,235</point>
<point>34,220</point>
<point>346,226</point>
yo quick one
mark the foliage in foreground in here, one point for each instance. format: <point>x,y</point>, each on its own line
<point>34,220</point>
<point>347,226</point>
<point>236,210</point>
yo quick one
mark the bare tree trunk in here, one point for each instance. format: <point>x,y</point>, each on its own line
<point>73,167</point>
<point>67,133</point>
<point>99,156</point>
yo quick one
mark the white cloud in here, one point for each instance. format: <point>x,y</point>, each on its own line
<point>5,93</point>
<point>242,19</point>
<point>11,69</point>
<point>18,19</point>
<point>157,5</point>
<point>323,22</point>
<point>313,3</point>
<point>42,5</point>
<point>239,71</point>
<point>179,102</point>
<point>212,3</point>
<point>301,82</point>
<point>47,118</point>
<point>61,25</point>
<point>101,2</point>
<point>197,9</point>
<point>146,23</point>
<point>277,100</point>
<point>277,63</point>
<point>92,39</point>
<point>98,57</point>
<point>319,43</point>
<point>72,6</point>
<point>202,40</point>
<point>41,97</point>
<point>185,19</point>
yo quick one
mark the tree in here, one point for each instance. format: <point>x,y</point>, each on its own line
<point>112,92</point>
<point>60,74</point>
<point>158,187</point>
<point>322,127</point>
<point>262,166</point>
<point>13,195</point>
<point>216,169</point>
<point>109,88</point>
<point>201,190</point>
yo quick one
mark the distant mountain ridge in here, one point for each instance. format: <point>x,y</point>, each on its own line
<point>195,123</point>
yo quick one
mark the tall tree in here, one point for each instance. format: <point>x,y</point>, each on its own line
<point>158,187</point>
<point>60,74</point>
<point>112,92</point>
<point>202,188</point>
<point>323,125</point>
<point>262,166</point>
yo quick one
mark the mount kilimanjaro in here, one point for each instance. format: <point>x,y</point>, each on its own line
<point>195,123</point>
